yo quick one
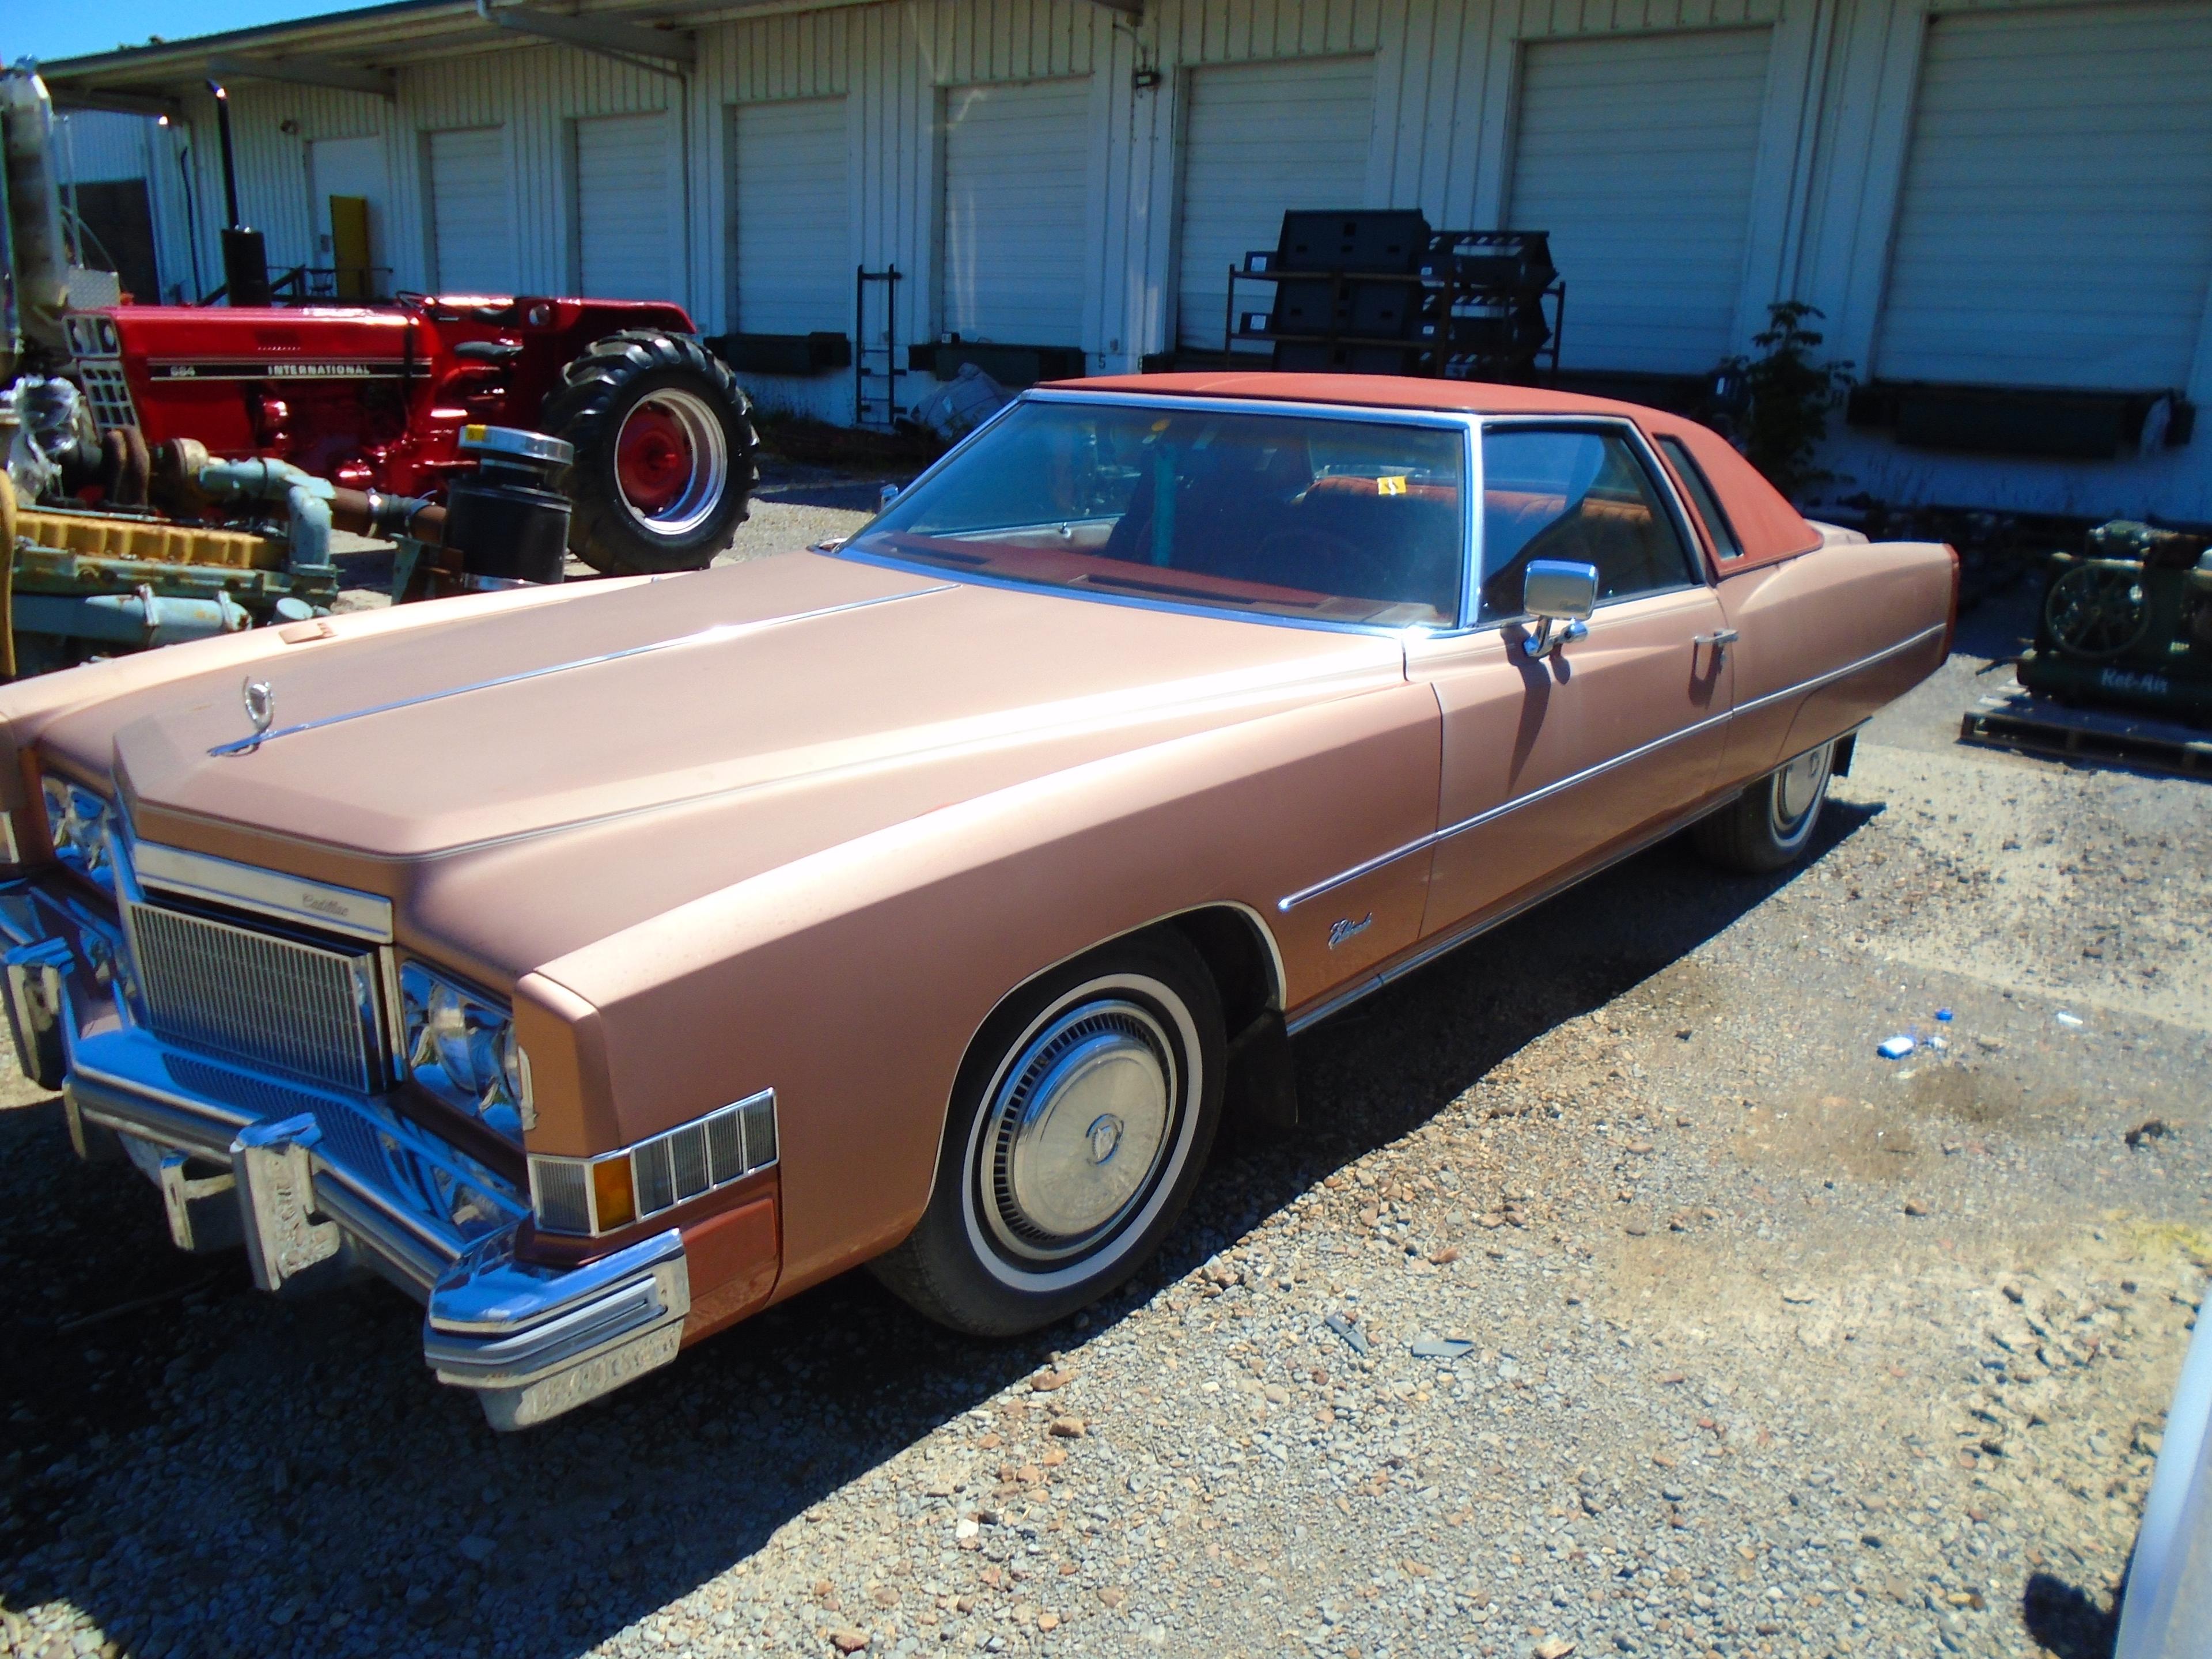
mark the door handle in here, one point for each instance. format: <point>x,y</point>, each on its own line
<point>1716,639</point>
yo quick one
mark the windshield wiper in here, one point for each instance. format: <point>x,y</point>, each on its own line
<point>1224,601</point>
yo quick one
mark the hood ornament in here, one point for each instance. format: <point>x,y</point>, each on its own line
<point>260,699</point>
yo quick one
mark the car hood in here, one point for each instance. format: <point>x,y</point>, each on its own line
<point>666,738</point>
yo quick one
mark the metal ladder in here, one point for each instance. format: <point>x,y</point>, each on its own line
<point>875,390</point>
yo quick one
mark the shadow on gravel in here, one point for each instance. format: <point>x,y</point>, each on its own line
<point>210,1472</point>
<point>2068,1621</point>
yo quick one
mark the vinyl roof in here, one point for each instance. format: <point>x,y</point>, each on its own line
<point>1366,391</point>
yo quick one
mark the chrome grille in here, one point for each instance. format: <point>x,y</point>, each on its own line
<point>295,1008</point>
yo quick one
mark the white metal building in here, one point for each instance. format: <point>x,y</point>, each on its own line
<point>1985,197</point>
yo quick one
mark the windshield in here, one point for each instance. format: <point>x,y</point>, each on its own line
<point>1287,515</point>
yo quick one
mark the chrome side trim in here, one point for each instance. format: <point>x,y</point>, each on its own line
<point>713,636</point>
<point>1468,932</point>
<point>1489,815</point>
<point>265,892</point>
<point>1833,675</point>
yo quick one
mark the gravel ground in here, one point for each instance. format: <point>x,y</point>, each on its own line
<point>1614,1298</point>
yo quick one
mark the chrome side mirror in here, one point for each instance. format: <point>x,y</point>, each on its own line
<point>885,497</point>
<point>1556,592</point>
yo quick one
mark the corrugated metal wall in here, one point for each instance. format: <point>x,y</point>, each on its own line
<point>1833,126</point>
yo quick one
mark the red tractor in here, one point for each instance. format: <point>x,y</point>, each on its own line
<point>368,397</point>
<point>375,398</point>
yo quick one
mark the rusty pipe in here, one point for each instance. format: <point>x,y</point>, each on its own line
<point>373,512</point>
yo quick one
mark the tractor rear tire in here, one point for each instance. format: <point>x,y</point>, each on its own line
<point>664,470</point>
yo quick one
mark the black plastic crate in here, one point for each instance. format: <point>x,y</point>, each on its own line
<point>1375,310</point>
<point>1382,239</point>
<point>1502,324</point>
<point>1516,261</point>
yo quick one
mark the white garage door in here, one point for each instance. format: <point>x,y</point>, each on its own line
<point>1260,139</point>
<point>626,208</point>
<point>472,211</point>
<point>1016,227</point>
<point>795,218</point>
<point>1636,156</point>
<point>2055,224</point>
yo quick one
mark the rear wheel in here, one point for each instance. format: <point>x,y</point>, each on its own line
<point>664,444</point>
<point>1078,1130</point>
<point>1770,824</point>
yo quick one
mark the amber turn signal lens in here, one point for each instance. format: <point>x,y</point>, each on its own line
<point>617,1200</point>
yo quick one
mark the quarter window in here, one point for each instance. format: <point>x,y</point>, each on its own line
<point>1700,491</point>
<point>1582,496</point>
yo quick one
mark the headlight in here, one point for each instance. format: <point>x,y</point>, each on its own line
<point>77,824</point>
<point>461,1045</point>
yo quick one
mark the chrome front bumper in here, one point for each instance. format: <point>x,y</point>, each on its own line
<point>316,1183</point>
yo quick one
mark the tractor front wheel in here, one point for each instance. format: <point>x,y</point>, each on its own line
<point>664,444</point>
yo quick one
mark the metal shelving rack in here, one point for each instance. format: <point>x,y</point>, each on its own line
<point>1338,281</point>
<point>1427,341</point>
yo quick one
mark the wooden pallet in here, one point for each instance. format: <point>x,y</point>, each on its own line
<point>2033,725</point>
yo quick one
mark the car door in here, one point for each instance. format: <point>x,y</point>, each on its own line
<point>1550,762</point>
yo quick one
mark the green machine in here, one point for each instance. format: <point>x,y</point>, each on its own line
<point>2128,623</point>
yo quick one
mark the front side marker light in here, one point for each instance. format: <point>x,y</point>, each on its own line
<point>599,1195</point>
<point>616,1194</point>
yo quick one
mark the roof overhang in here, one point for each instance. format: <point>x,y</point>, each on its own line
<point>357,50</point>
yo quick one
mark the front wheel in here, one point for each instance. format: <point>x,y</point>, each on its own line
<point>1770,824</point>
<point>665,446</point>
<point>1077,1129</point>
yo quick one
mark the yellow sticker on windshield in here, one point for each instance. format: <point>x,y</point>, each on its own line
<point>1390,486</point>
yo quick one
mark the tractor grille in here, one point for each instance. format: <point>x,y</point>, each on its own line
<point>294,1008</point>
<point>108,391</point>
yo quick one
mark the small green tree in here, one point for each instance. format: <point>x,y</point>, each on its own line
<point>1787,397</point>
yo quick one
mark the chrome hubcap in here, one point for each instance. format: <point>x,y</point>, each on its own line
<point>1077,1129</point>
<point>671,462</point>
<point>1797,786</point>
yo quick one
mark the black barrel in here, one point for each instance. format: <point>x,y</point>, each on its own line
<point>509,527</point>
<point>246,267</point>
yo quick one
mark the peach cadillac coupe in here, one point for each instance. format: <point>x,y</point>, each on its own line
<point>603,963</point>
